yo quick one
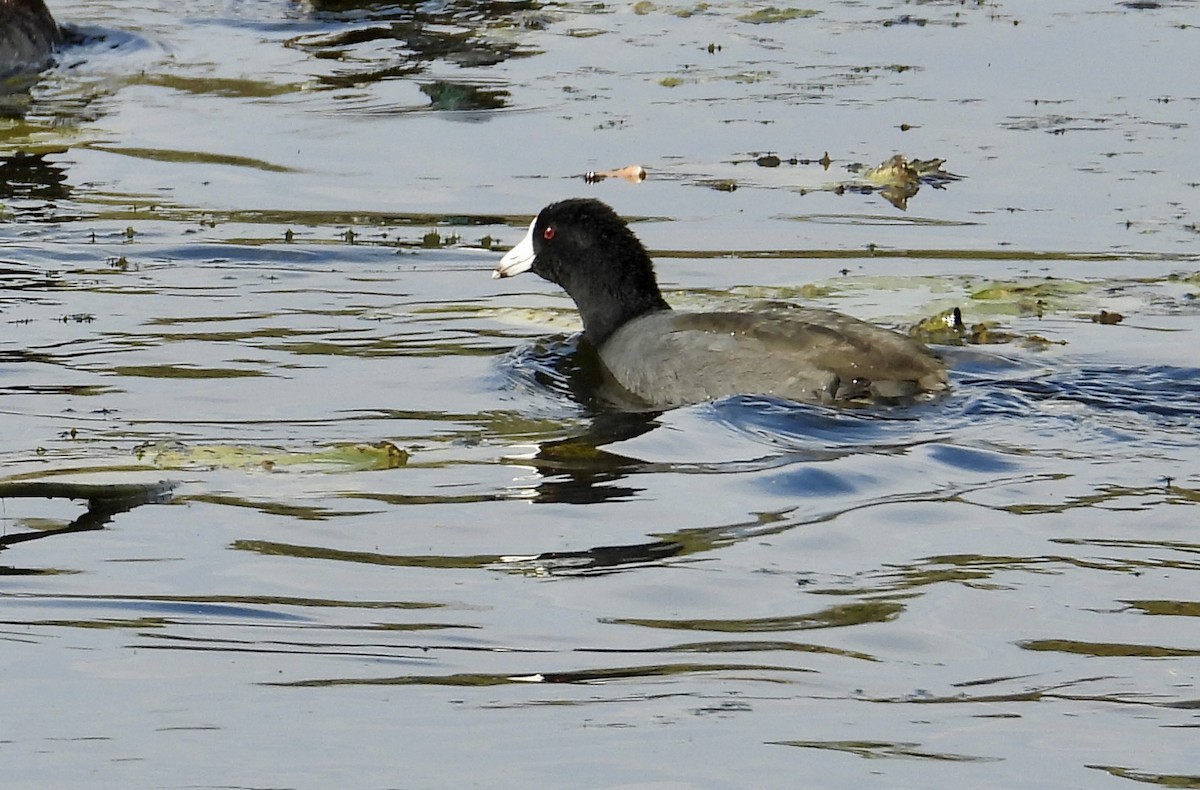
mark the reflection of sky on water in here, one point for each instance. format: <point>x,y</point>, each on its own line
<point>1037,127</point>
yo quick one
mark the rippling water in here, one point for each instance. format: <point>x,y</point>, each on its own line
<point>295,495</point>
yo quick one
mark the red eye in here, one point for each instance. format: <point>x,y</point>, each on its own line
<point>548,233</point>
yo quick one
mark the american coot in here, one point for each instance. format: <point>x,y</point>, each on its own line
<point>670,358</point>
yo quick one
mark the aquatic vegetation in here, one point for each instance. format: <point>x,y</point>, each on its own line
<point>772,15</point>
<point>898,179</point>
<point>342,457</point>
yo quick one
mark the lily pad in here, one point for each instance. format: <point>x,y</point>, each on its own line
<point>1030,298</point>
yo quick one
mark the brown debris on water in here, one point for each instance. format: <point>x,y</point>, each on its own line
<point>634,174</point>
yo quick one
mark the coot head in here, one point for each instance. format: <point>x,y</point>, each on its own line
<point>582,245</point>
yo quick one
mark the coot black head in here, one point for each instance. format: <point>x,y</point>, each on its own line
<point>582,245</point>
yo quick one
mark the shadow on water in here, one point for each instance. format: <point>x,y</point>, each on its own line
<point>804,448</point>
<point>104,501</point>
<point>32,177</point>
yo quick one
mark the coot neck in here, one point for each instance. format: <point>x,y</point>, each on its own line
<point>604,316</point>
<point>610,277</point>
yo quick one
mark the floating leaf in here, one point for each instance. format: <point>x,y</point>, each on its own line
<point>176,455</point>
<point>771,14</point>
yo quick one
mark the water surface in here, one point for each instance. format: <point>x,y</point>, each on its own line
<point>375,527</point>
